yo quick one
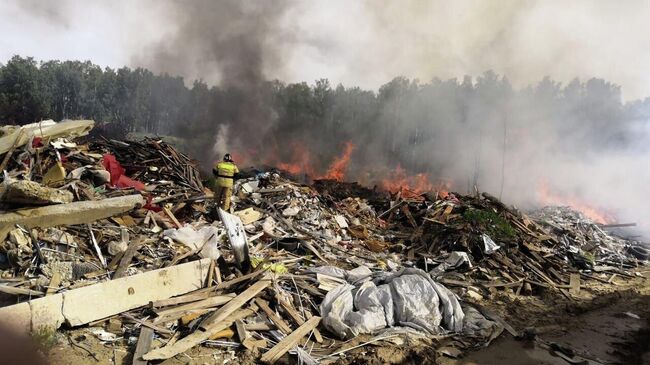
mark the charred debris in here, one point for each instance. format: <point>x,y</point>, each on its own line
<point>122,238</point>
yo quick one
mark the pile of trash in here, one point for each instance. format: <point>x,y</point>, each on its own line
<point>587,243</point>
<point>123,237</point>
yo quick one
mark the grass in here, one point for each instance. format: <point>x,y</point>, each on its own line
<point>45,338</point>
<point>495,226</point>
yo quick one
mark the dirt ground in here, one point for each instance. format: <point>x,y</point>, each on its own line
<point>609,324</point>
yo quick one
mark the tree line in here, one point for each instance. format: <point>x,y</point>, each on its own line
<point>420,126</point>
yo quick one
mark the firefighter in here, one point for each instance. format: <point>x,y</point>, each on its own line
<point>225,172</point>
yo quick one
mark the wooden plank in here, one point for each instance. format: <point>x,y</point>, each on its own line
<point>19,291</point>
<point>191,315</point>
<point>293,313</point>
<point>125,261</point>
<point>228,284</point>
<point>195,337</point>
<point>239,300</point>
<point>494,317</point>
<point>279,322</point>
<point>115,261</point>
<point>290,341</point>
<point>317,334</point>
<point>217,274</point>
<point>191,297</point>
<point>225,333</point>
<point>144,344</point>
<point>394,207</point>
<point>55,281</point>
<point>574,283</point>
<point>259,326</point>
<point>409,216</point>
<point>223,318</point>
<point>241,330</point>
<point>251,343</point>
<point>172,217</point>
<point>210,273</point>
<point>148,324</point>
<point>205,303</point>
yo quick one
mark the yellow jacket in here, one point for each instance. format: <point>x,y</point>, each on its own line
<point>225,172</point>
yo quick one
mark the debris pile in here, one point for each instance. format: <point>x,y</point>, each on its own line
<point>123,237</point>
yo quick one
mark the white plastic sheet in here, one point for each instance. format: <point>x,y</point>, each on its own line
<point>205,239</point>
<point>489,245</point>
<point>407,298</point>
<point>455,260</point>
<point>236,236</point>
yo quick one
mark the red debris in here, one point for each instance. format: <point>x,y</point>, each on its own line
<point>118,179</point>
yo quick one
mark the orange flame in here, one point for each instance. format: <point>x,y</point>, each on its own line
<point>398,180</point>
<point>338,167</point>
<point>547,197</point>
<point>300,163</point>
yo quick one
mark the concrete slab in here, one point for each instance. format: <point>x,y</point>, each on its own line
<point>66,214</point>
<point>91,303</point>
<point>17,317</point>
<point>47,313</point>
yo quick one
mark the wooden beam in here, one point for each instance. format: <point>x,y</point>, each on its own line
<point>239,301</point>
<point>210,274</point>
<point>290,341</point>
<point>102,300</point>
<point>195,337</point>
<point>79,212</point>
<point>187,298</point>
<point>19,291</point>
<point>241,330</point>
<point>55,281</point>
<point>172,217</point>
<point>214,301</point>
<point>148,324</point>
<point>574,283</point>
<point>223,318</point>
<point>143,346</point>
<point>293,313</point>
<point>125,261</point>
<point>228,284</point>
<point>279,322</point>
<point>259,326</point>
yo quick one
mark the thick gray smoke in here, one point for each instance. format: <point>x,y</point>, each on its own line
<point>529,139</point>
<point>549,144</point>
<point>228,43</point>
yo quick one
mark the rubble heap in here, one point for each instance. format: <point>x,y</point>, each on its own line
<point>123,237</point>
<point>585,242</point>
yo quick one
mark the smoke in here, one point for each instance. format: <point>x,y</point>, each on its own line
<point>525,138</point>
<point>512,132</point>
<point>228,43</point>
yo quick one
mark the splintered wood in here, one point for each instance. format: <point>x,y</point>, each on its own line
<point>221,319</point>
<point>290,341</point>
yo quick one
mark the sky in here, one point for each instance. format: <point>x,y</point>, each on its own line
<point>366,43</point>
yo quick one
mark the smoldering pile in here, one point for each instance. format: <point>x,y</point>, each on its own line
<point>125,238</point>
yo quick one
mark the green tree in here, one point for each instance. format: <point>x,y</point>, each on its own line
<point>23,98</point>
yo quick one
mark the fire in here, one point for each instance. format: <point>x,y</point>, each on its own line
<point>338,167</point>
<point>398,180</point>
<point>547,197</point>
<point>300,162</point>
